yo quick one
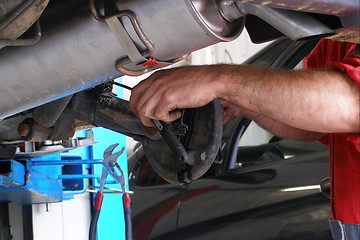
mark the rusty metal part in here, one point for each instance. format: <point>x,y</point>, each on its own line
<point>339,7</point>
<point>347,13</point>
<point>10,10</point>
<point>88,109</point>
<point>95,11</point>
<point>346,36</point>
<point>295,25</point>
<point>29,130</point>
<point>27,41</point>
<point>114,113</point>
<point>9,128</point>
<point>21,19</point>
<point>203,146</point>
<point>24,129</point>
<point>48,114</point>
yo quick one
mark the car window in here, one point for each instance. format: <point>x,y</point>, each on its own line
<point>258,146</point>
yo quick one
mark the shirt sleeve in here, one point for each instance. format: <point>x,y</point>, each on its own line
<point>329,54</point>
<point>350,66</point>
<point>339,55</point>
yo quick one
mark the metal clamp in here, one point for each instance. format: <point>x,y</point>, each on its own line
<point>134,55</point>
<point>136,63</point>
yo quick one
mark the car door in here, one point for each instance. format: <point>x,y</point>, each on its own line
<point>155,202</point>
<point>271,191</point>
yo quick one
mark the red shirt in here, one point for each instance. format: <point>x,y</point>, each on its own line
<point>344,147</point>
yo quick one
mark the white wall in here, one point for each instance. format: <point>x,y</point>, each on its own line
<point>68,220</point>
<point>227,52</point>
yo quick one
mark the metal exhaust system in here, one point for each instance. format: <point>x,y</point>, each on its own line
<point>295,25</point>
<point>77,52</point>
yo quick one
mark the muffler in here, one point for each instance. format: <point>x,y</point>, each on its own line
<point>160,32</point>
<point>77,52</point>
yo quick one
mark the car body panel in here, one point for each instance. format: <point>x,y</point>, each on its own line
<point>157,201</point>
<point>269,191</point>
<point>246,198</point>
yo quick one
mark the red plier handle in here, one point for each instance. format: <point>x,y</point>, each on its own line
<point>97,206</point>
<point>127,212</point>
<point>95,214</point>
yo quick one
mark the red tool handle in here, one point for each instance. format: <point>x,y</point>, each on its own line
<point>98,200</point>
<point>126,200</point>
<point>95,215</point>
<point>127,211</point>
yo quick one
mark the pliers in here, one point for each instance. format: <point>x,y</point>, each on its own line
<point>109,165</point>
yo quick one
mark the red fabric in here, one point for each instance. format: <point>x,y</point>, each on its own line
<point>344,148</point>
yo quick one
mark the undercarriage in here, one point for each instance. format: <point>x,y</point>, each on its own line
<point>60,59</point>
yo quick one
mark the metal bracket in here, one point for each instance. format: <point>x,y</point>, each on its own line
<point>136,63</point>
<point>25,42</point>
<point>49,147</point>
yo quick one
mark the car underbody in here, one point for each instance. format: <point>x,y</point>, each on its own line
<point>59,61</point>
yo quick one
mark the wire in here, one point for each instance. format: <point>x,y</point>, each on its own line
<point>93,224</point>
<point>107,190</point>
<point>122,85</point>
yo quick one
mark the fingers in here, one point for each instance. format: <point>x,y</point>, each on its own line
<point>146,97</point>
<point>160,105</point>
<point>138,91</point>
<point>149,101</point>
<point>167,108</point>
<point>166,91</point>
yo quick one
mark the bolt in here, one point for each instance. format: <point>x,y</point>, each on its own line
<point>24,129</point>
<point>27,177</point>
<point>203,156</point>
<point>112,164</point>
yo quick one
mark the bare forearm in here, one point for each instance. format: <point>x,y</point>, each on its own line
<point>317,101</point>
<point>282,130</point>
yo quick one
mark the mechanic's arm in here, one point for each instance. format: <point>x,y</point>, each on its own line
<point>230,111</point>
<point>316,101</point>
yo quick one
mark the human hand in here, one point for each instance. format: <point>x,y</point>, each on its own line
<point>162,95</point>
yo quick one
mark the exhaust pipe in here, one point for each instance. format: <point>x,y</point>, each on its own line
<point>295,25</point>
<point>77,52</point>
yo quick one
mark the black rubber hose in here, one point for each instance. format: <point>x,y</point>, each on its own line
<point>93,224</point>
<point>172,141</point>
<point>128,224</point>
